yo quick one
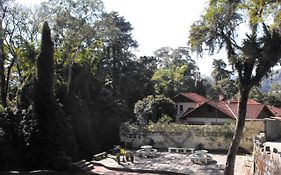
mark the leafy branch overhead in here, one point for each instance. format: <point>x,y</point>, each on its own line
<point>252,51</point>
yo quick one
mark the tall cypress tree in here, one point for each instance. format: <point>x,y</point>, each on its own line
<point>45,67</point>
<point>54,133</point>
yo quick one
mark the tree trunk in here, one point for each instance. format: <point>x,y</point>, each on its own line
<point>2,70</point>
<point>69,75</point>
<point>240,123</point>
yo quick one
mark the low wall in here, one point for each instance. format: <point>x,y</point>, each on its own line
<point>272,129</point>
<point>252,129</point>
<point>203,136</point>
<point>165,140</point>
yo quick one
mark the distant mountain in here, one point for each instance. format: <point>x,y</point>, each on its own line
<point>274,77</point>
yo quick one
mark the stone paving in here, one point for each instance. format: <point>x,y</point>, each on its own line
<point>173,162</point>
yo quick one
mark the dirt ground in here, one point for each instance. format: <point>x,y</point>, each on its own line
<point>179,163</point>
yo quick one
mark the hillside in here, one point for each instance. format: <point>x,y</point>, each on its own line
<point>273,78</point>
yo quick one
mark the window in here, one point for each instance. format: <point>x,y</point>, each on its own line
<point>181,108</point>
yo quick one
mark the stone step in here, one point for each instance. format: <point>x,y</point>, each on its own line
<point>83,165</point>
<point>79,163</point>
<point>89,167</point>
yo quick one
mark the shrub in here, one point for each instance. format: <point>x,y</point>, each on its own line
<point>153,108</point>
<point>225,131</point>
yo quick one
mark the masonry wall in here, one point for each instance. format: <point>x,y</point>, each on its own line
<point>273,129</point>
<point>165,140</point>
<point>196,139</point>
<point>252,129</point>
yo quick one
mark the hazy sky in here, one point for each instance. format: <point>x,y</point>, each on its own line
<point>159,23</point>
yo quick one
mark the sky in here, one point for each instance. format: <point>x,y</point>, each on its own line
<point>159,23</point>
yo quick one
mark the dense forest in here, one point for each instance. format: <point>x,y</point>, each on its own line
<point>68,69</point>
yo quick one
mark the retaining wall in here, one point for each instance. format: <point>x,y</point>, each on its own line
<point>197,139</point>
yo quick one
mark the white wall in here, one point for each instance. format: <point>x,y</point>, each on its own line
<point>185,105</point>
<point>165,140</point>
<point>194,137</point>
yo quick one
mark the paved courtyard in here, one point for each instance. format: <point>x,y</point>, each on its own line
<point>173,162</point>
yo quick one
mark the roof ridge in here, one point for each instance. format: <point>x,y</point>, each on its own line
<point>199,104</point>
<point>217,107</point>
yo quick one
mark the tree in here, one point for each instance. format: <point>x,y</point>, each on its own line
<point>115,34</point>
<point>219,72</point>
<point>173,80</point>
<point>20,35</point>
<point>252,58</point>
<point>53,135</point>
<point>167,57</point>
<point>271,98</point>
<point>153,108</point>
<point>227,88</point>
<point>4,8</point>
<point>224,85</point>
<point>176,72</point>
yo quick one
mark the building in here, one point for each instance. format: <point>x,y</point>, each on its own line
<point>195,109</point>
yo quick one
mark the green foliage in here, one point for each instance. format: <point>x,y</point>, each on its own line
<point>225,131</point>
<point>177,72</point>
<point>53,132</point>
<point>169,81</point>
<point>45,66</point>
<point>106,80</point>
<point>252,58</point>
<point>153,108</point>
<point>2,109</point>
<point>226,87</point>
<point>273,99</point>
<point>165,119</point>
<point>219,70</point>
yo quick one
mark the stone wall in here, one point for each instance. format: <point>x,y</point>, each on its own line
<point>252,129</point>
<point>272,129</point>
<point>208,137</point>
<point>165,140</point>
<point>196,138</point>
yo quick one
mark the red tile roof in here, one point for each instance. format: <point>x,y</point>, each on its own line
<point>253,110</point>
<point>250,101</point>
<point>274,110</point>
<point>223,107</point>
<point>194,97</point>
<point>230,108</point>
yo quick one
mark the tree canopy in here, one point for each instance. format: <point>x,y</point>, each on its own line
<point>252,52</point>
<point>153,108</point>
<point>66,93</point>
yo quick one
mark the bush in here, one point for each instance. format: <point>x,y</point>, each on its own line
<point>165,119</point>
<point>152,108</point>
<point>225,131</point>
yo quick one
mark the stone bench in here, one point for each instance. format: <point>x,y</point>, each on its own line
<point>180,150</point>
<point>100,156</point>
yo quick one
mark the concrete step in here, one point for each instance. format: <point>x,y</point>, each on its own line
<point>89,167</point>
<point>83,165</point>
